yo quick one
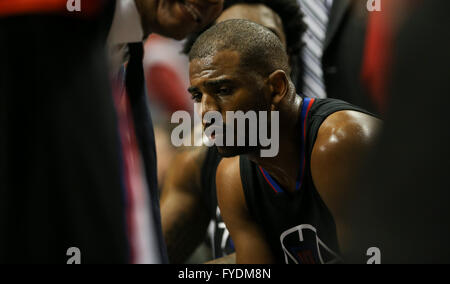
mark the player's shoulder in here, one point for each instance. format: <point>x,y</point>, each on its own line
<point>346,131</point>
<point>228,171</point>
<point>228,181</point>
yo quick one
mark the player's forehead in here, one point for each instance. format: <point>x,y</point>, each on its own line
<point>223,64</point>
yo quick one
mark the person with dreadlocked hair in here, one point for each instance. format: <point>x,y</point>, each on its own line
<point>189,198</point>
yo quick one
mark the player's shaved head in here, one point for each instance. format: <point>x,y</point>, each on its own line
<point>260,50</point>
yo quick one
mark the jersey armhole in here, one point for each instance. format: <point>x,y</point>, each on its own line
<point>245,167</point>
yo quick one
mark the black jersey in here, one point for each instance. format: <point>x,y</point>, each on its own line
<point>298,226</point>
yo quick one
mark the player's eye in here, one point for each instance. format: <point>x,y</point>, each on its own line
<point>225,91</point>
<point>197,97</point>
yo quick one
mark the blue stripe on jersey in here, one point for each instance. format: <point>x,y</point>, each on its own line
<point>307,103</point>
<point>271,181</point>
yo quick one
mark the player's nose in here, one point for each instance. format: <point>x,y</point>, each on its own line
<point>208,104</point>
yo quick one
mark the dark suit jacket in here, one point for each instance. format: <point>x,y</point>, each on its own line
<point>343,53</point>
<point>60,183</point>
<point>61,170</point>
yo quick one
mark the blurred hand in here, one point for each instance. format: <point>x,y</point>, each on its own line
<point>177,18</point>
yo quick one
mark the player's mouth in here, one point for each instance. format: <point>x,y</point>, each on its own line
<point>212,134</point>
<point>213,130</point>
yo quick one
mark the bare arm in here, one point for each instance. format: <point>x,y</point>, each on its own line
<point>184,216</point>
<point>251,246</point>
<point>166,18</point>
<point>343,142</point>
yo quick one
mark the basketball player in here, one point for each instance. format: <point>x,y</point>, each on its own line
<point>189,200</point>
<point>285,209</point>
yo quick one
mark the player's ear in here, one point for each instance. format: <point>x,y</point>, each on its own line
<point>279,88</point>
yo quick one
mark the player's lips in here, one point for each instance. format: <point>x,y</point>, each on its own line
<point>213,131</point>
<point>212,134</point>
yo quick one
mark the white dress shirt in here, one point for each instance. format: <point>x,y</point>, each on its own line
<point>126,28</point>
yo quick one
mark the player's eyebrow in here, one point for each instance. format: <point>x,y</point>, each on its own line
<point>211,84</point>
<point>217,83</point>
<point>193,90</point>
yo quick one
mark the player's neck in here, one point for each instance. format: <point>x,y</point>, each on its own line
<point>284,167</point>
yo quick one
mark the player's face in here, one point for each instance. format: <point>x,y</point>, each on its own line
<point>219,83</point>
<point>178,18</point>
<point>257,13</point>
